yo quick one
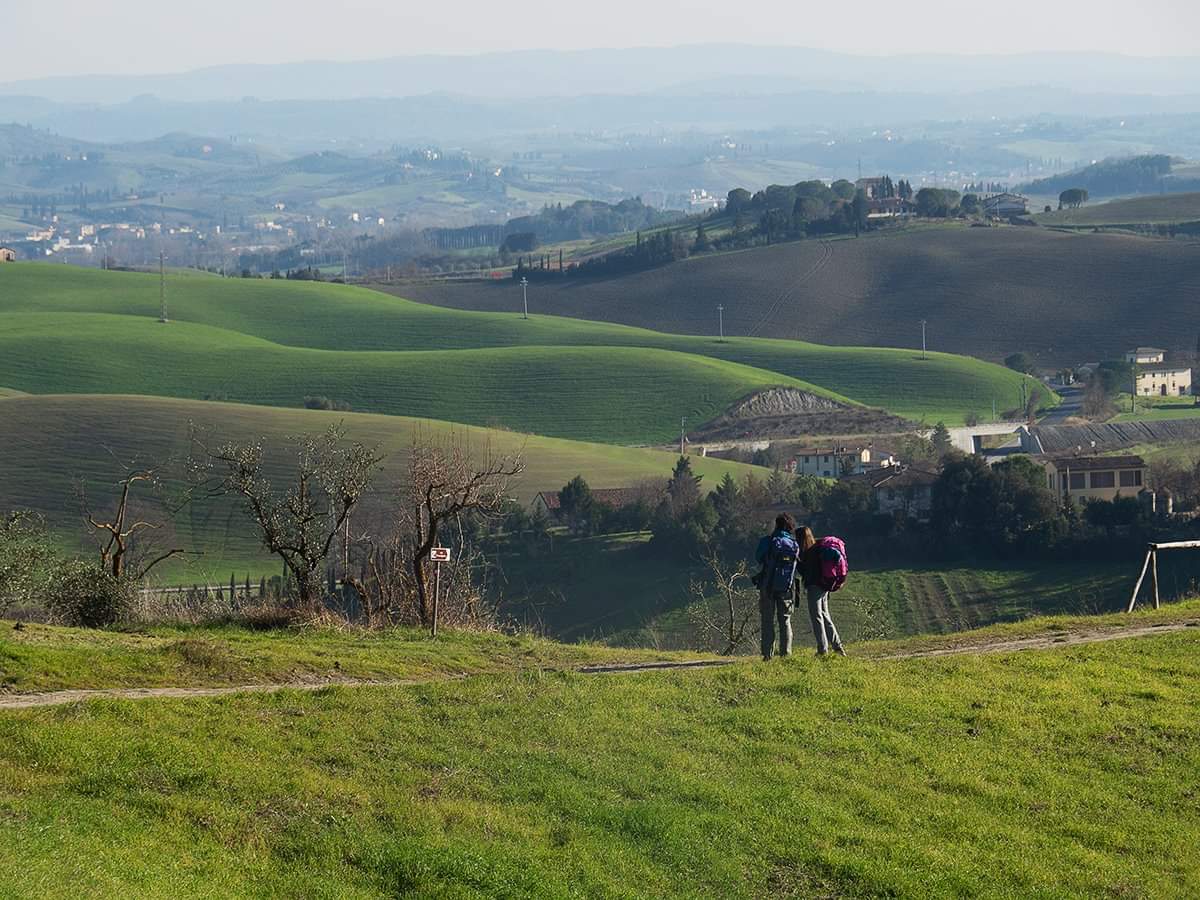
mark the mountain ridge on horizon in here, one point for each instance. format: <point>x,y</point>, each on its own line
<point>547,72</point>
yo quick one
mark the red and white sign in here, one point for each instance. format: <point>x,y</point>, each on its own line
<point>439,554</point>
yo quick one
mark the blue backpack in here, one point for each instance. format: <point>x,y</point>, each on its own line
<point>782,558</point>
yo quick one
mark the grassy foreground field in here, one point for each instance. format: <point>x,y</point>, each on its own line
<point>47,443</point>
<point>1040,774</point>
<point>238,355</point>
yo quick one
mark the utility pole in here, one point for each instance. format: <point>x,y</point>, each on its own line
<point>525,296</point>
<point>1132,386</point>
<point>923,324</point>
<point>345,269</point>
<point>162,286</point>
<point>682,433</point>
<point>721,320</point>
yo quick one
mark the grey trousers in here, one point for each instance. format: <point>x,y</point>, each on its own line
<point>823,628</point>
<point>775,606</point>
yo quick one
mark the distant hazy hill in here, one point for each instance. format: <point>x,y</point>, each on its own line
<point>533,73</point>
<point>1145,174</point>
<point>468,119</point>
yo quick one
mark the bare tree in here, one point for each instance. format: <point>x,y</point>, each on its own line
<point>300,521</point>
<point>122,535</point>
<point>731,619</point>
<point>444,483</point>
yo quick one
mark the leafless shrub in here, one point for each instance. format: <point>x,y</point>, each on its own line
<point>724,610</point>
<point>444,482</point>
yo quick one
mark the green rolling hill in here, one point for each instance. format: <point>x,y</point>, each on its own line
<point>49,443</point>
<point>626,395</point>
<point>261,340</point>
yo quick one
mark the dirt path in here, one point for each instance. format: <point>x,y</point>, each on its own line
<point>1046,641</point>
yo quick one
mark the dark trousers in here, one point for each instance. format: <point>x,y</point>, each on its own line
<point>775,606</point>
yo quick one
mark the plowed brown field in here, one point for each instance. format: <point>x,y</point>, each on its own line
<point>986,292</point>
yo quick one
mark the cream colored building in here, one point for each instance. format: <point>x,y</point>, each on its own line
<point>7,255</point>
<point>1162,380</point>
<point>1144,356</point>
<point>831,462</point>
<point>1094,477</point>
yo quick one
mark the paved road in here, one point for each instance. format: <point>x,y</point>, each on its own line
<point>1072,405</point>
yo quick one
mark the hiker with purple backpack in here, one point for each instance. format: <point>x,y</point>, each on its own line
<point>823,570</point>
<point>779,555</point>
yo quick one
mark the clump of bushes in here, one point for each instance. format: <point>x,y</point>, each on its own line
<point>85,596</point>
<point>322,402</point>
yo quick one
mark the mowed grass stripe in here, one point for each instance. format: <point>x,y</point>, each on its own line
<point>334,317</point>
<point>47,444</point>
<point>613,394</point>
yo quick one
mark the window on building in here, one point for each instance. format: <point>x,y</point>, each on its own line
<point>1078,481</point>
<point>1131,478</point>
<point>1104,480</point>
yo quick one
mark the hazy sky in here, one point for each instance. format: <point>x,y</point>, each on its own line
<point>67,37</point>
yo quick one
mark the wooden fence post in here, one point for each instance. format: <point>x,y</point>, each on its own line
<point>1154,575</point>
<point>1137,587</point>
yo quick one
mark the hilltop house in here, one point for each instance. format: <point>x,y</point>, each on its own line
<point>832,462</point>
<point>1001,206</point>
<point>872,188</point>
<point>1094,477</point>
<point>7,254</point>
<point>888,207</point>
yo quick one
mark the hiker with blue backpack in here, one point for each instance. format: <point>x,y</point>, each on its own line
<point>779,556</point>
<point>823,570</point>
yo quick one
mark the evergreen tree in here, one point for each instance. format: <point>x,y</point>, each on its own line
<point>940,438</point>
<point>578,505</point>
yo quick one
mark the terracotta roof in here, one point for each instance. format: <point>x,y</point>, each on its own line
<point>1162,367</point>
<point>828,451</point>
<point>614,498</point>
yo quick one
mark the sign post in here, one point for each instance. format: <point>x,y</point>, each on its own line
<point>438,555</point>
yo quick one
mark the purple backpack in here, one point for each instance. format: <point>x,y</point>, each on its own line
<point>832,555</point>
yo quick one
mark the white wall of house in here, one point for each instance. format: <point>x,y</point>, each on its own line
<point>832,464</point>
<point>1096,484</point>
<point>1167,381</point>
